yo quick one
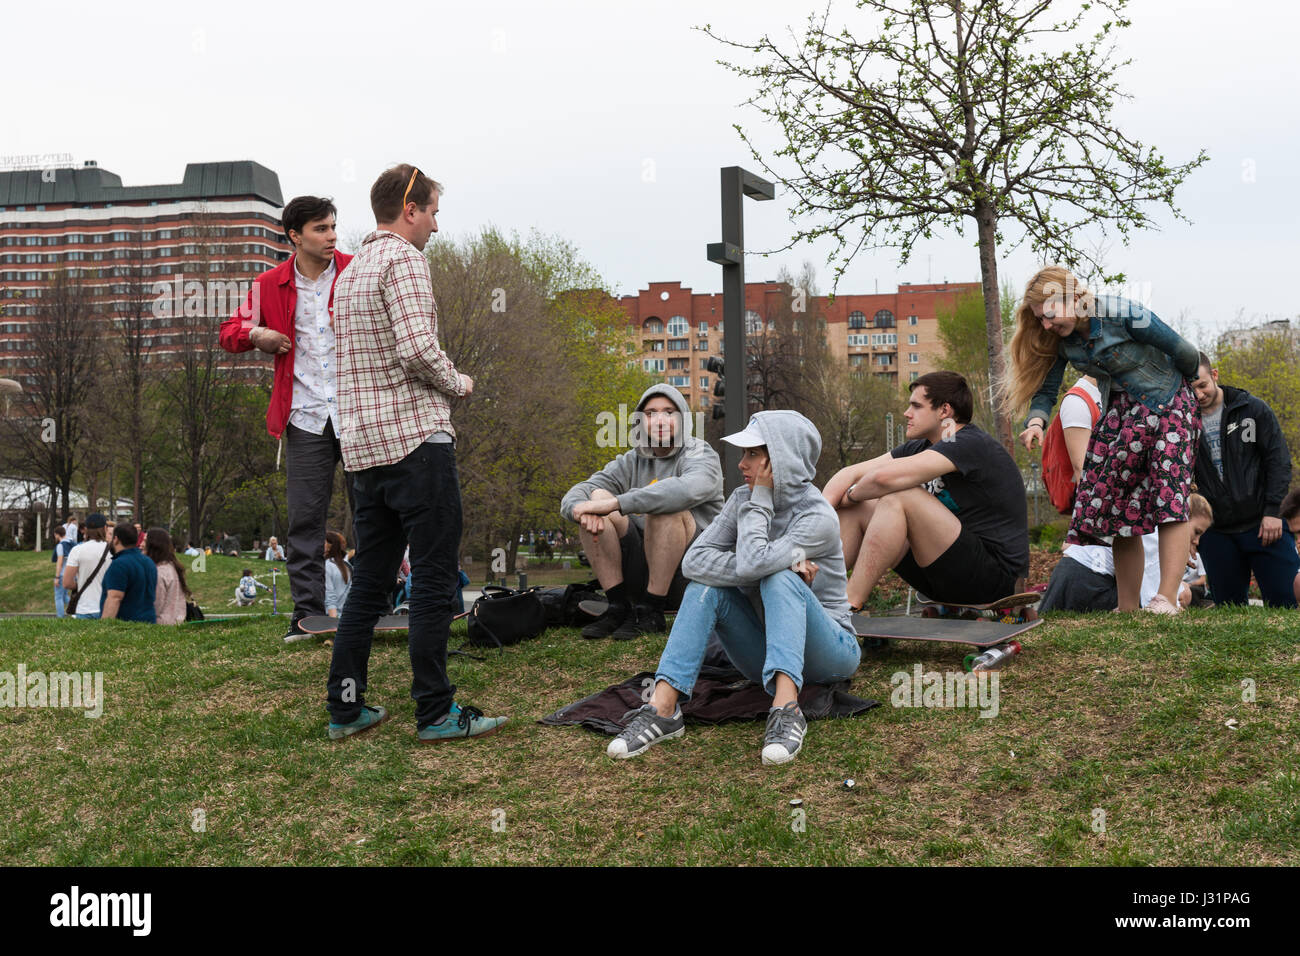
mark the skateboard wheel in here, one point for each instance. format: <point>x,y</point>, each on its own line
<point>930,612</point>
<point>1028,614</point>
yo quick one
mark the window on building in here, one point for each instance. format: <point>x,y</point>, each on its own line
<point>653,326</point>
<point>856,359</point>
<point>882,359</point>
<point>857,320</point>
<point>678,325</point>
<point>913,376</point>
<point>859,339</point>
<point>679,345</point>
<point>678,363</point>
<point>911,320</point>
<point>911,339</point>
<point>704,363</point>
<point>913,358</point>
<point>653,365</point>
<point>704,328</point>
<point>884,319</point>
<point>679,381</point>
<point>753,322</point>
<point>656,346</point>
<point>704,381</point>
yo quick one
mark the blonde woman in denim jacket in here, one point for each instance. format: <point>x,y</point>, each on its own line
<point>1138,470</point>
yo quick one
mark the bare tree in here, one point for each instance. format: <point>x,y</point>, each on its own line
<point>200,404</point>
<point>946,114</point>
<point>64,387</point>
<point>131,312</point>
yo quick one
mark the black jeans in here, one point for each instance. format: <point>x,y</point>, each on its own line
<point>309,480</point>
<point>416,500</point>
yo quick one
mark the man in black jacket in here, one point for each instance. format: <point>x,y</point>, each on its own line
<point>1243,467</point>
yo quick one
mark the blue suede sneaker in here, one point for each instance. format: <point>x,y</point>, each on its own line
<point>460,722</point>
<point>370,717</point>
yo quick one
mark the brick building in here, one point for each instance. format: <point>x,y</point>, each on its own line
<point>201,241</point>
<point>892,333</point>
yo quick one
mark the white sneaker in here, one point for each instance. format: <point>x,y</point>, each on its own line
<point>786,727</point>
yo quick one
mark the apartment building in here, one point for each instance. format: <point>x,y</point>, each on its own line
<point>892,334</point>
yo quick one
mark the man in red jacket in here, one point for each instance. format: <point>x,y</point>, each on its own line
<point>290,314</point>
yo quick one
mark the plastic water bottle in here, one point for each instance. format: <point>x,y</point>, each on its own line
<point>994,657</point>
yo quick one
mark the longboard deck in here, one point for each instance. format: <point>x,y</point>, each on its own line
<point>324,624</point>
<point>1011,601</point>
<point>975,633</point>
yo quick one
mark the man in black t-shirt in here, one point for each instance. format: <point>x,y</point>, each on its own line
<point>945,509</point>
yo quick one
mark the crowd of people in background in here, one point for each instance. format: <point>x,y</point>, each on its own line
<point>105,570</point>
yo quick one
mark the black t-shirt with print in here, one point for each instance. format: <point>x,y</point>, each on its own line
<point>986,493</point>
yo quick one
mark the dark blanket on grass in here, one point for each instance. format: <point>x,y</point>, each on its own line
<point>721,694</point>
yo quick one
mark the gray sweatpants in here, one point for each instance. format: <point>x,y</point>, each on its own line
<point>309,467</point>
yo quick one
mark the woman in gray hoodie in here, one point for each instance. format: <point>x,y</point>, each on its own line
<point>768,575</point>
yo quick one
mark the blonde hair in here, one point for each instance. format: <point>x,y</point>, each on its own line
<point>1034,349</point>
<point>1199,507</point>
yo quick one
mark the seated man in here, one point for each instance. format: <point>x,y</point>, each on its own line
<point>754,579</point>
<point>131,581</point>
<point>945,509</point>
<point>640,513</point>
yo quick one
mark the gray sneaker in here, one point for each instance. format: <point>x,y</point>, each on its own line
<point>784,737</point>
<point>645,729</point>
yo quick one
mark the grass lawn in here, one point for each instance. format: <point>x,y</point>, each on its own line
<point>1124,714</point>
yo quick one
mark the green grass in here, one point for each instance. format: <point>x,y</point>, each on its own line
<point>1124,714</point>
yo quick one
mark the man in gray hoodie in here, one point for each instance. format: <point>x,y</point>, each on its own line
<point>768,576</point>
<point>640,513</point>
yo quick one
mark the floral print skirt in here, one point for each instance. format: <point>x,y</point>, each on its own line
<point>1138,471</point>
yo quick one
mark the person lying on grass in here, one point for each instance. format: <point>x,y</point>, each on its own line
<point>754,577</point>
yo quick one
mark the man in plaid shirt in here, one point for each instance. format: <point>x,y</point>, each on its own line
<point>398,444</point>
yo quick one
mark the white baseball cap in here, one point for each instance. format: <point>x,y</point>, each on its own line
<point>749,438</point>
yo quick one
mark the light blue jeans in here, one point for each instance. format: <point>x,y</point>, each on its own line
<point>800,639</point>
<point>60,600</point>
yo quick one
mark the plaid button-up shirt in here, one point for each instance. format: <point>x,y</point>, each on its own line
<point>393,379</point>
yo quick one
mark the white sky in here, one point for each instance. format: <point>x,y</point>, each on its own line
<point>550,115</point>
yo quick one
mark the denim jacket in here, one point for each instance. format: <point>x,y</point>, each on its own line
<point>1127,347</point>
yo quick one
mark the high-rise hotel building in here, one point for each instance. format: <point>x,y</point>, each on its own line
<point>219,225</point>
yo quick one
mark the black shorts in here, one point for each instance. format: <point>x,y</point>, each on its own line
<point>964,574</point>
<point>636,570</point>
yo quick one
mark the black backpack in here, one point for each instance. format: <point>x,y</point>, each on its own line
<point>561,603</point>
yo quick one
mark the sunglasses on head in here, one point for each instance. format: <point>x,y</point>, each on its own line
<point>415,171</point>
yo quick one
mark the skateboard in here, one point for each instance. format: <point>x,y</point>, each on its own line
<point>977,633</point>
<point>1015,609</point>
<point>324,624</point>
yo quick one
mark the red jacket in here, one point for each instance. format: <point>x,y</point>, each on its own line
<point>277,295</point>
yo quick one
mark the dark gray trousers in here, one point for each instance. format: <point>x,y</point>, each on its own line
<point>309,467</point>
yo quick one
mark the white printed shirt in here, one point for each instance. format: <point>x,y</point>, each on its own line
<point>315,399</point>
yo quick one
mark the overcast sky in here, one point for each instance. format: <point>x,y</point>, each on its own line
<point>606,123</point>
